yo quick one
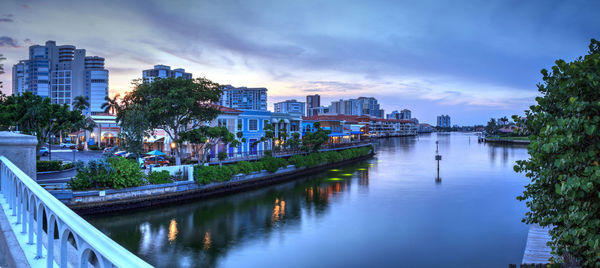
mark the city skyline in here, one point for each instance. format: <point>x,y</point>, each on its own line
<point>475,63</point>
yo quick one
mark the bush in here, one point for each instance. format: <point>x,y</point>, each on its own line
<point>80,183</point>
<point>272,164</point>
<point>222,156</point>
<point>96,173</point>
<point>298,160</point>
<point>126,173</point>
<point>206,174</point>
<point>268,153</point>
<point>563,157</point>
<point>159,177</point>
<point>53,165</point>
<point>93,147</point>
<point>245,167</point>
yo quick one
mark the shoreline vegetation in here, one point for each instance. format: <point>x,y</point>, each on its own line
<point>160,187</point>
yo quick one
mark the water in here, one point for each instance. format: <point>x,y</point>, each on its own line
<point>384,212</point>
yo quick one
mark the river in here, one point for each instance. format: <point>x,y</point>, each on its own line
<point>388,211</point>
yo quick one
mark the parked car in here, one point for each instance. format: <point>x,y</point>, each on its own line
<point>107,149</point>
<point>67,145</point>
<point>43,151</point>
<point>121,153</point>
<point>155,161</point>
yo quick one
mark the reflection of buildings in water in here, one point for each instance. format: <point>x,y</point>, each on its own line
<point>363,177</point>
<point>507,151</point>
<point>392,144</point>
<point>170,235</point>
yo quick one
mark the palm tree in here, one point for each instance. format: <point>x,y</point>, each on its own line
<point>111,106</point>
<point>88,124</point>
<point>80,103</point>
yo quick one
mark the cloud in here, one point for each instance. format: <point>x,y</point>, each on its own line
<point>6,41</point>
<point>6,20</point>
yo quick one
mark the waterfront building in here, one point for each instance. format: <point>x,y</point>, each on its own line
<point>252,124</point>
<point>243,98</point>
<point>404,114</point>
<point>290,106</point>
<point>164,71</point>
<point>317,111</point>
<point>104,134</point>
<point>62,73</point>
<point>312,101</point>
<point>443,121</point>
<point>361,106</point>
<point>424,128</point>
<point>370,106</point>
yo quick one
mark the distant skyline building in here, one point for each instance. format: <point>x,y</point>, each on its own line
<point>361,106</point>
<point>317,111</point>
<point>164,71</point>
<point>62,73</point>
<point>312,101</point>
<point>290,106</point>
<point>243,98</point>
<point>404,114</point>
<point>443,121</point>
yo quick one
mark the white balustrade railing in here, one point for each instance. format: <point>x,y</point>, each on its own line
<point>29,202</point>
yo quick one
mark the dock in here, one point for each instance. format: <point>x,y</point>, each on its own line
<point>536,250</point>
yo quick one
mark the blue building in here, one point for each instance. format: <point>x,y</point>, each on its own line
<point>252,124</point>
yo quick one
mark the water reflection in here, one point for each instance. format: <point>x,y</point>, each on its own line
<point>166,236</point>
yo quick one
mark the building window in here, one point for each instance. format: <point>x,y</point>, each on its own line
<point>222,122</point>
<point>252,124</point>
<point>239,125</point>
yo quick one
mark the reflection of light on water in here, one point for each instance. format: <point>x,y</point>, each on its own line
<point>335,170</point>
<point>335,179</point>
<point>362,169</point>
<point>172,230</point>
<point>146,240</point>
<point>207,242</point>
<point>278,210</point>
<point>347,174</point>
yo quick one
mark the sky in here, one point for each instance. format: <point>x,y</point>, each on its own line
<point>472,60</point>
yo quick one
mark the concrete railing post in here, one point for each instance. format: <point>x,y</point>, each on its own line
<point>21,150</point>
<point>191,173</point>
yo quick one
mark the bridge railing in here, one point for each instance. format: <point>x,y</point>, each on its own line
<point>29,202</point>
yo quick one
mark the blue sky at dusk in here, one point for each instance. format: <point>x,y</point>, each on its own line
<point>470,59</point>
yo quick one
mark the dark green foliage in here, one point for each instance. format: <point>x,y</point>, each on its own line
<point>159,177</point>
<point>67,166</point>
<point>245,167</point>
<point>94,147</point>
<point>272,164</point>
<point>222,156</point>
<point>313,140</point>
<point>53,165</point>
<point>206,174</point>
<point>269,152</point>
<point>95,174</point>
<point>126,173</point>
<point>564,153</point>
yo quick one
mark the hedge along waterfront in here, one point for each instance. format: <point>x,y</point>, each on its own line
<point>208,174</point>
<point>53,165</point>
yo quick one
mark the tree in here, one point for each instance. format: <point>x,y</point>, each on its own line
<point>111,106</point>
<point>134,127</point>
<point>294,142</point>
<point>491,127</point>
<point>564,153</point>
<point>314,140</point>
<point>206,137</point>
<point>175,105</point>
<point>80,103</point>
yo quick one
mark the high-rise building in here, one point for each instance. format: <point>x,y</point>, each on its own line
<point>243,98</point>
<point>370,106</point>
<point>290,106</point>
<point>312,101</point>
<point>164,71</point>
<point>62,73</point>
<point>317,111</point>
<point>443,121</point>
<point>404,114</point>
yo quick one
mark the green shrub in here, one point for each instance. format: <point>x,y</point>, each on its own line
<point>298,160</point>
<point>96,173</point>
<point>268,153</point>
<point>272,164</point>
<point>80,183</point>
<point>93,147</point>
<point>222,156</point>
<point>206,174</point>
<point>159,177</point>
<point>126,173</point>
<point>258,166</point>
<point>53,165</point>
<point>245,167</point>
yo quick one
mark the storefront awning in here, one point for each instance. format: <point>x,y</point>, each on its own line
<point>337,134</point>
<point>356,132</point>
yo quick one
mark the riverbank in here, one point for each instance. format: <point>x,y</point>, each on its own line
<point>97,202</point>
<point>506,140</point>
